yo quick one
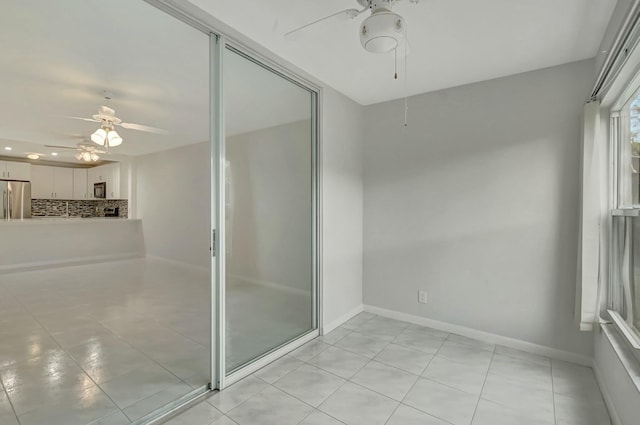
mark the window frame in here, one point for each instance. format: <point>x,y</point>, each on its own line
<point>621,214</point>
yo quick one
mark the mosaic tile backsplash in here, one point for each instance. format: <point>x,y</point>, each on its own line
<point>93,208</point>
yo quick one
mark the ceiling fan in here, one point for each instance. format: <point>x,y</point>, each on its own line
<point>86,152</point>
<point>106,134</point>
<point>380,32</point>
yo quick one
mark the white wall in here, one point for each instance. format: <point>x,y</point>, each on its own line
<point>173,199</point>
<point>343,137</point>
<point>476,201</point>
<point>170,185</point>
<point>270,215</point>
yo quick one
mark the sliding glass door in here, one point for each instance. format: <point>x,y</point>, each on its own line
<point>269,209</point>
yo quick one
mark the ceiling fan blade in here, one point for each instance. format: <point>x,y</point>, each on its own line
<point>83,119</point>
<point>60,147</point>
<point>141,127</point>
<point>345,14</point>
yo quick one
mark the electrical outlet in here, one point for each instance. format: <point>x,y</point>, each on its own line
<point>422,297</point>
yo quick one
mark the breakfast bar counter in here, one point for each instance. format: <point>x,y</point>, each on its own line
<point>56,241</point>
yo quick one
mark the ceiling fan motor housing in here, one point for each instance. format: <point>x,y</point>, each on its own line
<point>382,31</point>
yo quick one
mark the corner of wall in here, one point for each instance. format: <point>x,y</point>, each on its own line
<point>342,144</point>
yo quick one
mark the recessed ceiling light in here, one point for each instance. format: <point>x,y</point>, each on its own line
<point>33,156</point>
<point>7,148</point>
<point>54,153</point>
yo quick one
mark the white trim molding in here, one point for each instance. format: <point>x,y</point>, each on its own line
<point>268,284</point>
<point>606,395</point>
<point>328,327</point>
<point>617,372</point>
<point>484,336</point>
<point>624,353</point>
<point>625,329</point>
<point>79,261</point>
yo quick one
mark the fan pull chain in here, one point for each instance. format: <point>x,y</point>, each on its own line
<point>406,103</point>
<point>395,58</point>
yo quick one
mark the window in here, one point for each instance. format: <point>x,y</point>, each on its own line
<point>623,300</point>
<point>629,154</point>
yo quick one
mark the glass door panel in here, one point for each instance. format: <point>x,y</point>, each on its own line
<point>269,210</point>
<point>106,341</point>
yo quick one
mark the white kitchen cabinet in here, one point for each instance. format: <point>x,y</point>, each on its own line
<point>109,173</point>
<point>113,180</point>
<point>10,170</point>
<point>41,182</point>
<point>63,182</point>
<point>51,182</point>
<point>80,187</point>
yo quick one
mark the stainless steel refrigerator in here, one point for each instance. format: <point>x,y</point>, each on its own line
<point>16,200</point>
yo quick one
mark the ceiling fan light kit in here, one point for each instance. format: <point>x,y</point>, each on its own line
<point>86,151</point>
<point>87,156</point>
<point>113,138</point>
<point>105,136</point>
<point>99,136</point>
<point>382,31</point>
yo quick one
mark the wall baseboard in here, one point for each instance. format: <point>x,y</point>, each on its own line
<point>328,327</point>
<point>177,263</point>
<point>606,395</point>
<point>483,336</point>
<point>80,261</point>
<point>272,285</point>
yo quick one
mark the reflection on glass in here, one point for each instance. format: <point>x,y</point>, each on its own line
<point>141,329</point>
<point>269,221</point>
<point>629,178</point>
<point>635,278</point>
<point>624,295</point>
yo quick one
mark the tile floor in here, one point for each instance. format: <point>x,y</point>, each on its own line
<point>108,343</point>
<point>96,344</point>
<point>376,371</point>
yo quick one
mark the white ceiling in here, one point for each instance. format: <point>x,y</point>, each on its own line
<point>452,42</point>
<point>57,57</point>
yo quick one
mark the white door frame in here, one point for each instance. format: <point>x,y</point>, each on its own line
<point>224,47</point>
<point>217,131</point>
<point>221,36</point>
